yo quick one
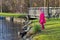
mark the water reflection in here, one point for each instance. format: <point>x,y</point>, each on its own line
<point>8,30</point>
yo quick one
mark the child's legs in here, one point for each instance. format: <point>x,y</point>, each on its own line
<point>42,26</point>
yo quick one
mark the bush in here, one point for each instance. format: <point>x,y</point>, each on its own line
<point>36,28</point>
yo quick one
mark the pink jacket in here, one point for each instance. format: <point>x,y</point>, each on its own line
<point>42,18</point>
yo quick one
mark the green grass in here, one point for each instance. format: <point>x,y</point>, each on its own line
<point>52,30</point>
<point>12,14</point>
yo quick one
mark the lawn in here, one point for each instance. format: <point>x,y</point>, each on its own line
<point>13,14</point>
<point>52,30</point>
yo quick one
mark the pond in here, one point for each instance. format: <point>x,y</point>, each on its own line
<point>8,30</point>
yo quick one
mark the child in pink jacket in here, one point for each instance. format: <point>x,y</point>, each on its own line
<point>42,19</point>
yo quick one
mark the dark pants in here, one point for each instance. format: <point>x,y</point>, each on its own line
<point>42,26</point>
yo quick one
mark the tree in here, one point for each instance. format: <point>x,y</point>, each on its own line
<point>15,5</point>
<point>0,5</point>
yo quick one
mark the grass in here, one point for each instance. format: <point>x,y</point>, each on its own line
<point>12,14</point>
<point>52,30</point>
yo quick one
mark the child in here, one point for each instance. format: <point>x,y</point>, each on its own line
<point>42,19</point>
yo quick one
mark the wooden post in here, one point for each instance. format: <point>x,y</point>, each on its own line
<point>59,3</point>
<point>11,19</point>
<point>48,9</point>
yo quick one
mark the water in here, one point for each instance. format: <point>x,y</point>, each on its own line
<point>8,30</point>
